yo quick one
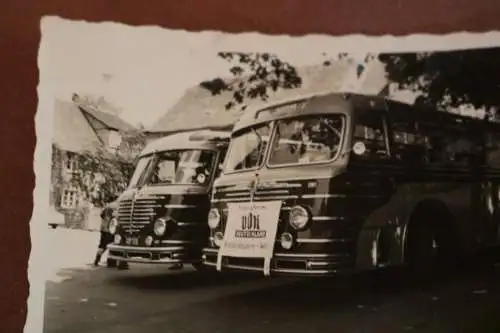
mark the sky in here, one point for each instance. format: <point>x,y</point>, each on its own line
<point>145,70</point>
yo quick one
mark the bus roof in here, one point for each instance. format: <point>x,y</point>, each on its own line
<point>317,103</point>
<point>201,139</point>
<point>345,102</point>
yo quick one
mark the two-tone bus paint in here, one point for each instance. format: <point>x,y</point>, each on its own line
<point>162,216</point>
<point>395,185</point>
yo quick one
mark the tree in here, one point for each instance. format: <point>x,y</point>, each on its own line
<point>443,79</point>
<point>105,173</point>
<point>255,75</point>
<point>449,79</point>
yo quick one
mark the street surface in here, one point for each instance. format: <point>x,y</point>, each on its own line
<point>149,299</point>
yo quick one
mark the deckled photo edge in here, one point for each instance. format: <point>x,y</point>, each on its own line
<point>231,42</point>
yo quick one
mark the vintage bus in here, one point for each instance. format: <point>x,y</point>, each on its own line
<point>339,183</point>
<point>162,216</point>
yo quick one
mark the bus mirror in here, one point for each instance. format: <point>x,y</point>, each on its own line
<point>359,148</point>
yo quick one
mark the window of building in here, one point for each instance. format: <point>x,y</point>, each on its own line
<point>70,197</point>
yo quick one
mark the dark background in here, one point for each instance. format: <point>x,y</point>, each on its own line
<point>20,38</point>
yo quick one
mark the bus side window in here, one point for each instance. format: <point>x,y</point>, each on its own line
<point>450,146</point>
<point>369,129</point>
<point>408,144</point>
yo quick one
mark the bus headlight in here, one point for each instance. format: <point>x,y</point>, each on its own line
<point>160,227</point>
<point>218,238</point>
<point>286,240</point>
<point>113,225</point>
<point>298,217</point>
<point>213,218</point>
<point>117,239</point>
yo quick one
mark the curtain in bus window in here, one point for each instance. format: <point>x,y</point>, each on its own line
<point>306,140</point>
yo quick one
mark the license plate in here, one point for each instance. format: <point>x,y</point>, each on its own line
<point>132,241</point>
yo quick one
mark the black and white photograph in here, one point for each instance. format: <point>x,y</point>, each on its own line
<point>218,182</point>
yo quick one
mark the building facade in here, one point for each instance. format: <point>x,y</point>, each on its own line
<point>80,132</point>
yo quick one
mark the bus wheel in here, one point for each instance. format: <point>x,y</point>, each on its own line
<point>430,247</point>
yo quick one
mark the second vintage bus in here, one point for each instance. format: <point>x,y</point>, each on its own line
<point>339,182</point>
<point>162,216</point>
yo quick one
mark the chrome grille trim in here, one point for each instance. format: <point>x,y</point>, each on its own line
<point>134,215</point>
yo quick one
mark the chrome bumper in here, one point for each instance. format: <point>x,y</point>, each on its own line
<point>150,255</point>
<point>300,264</point>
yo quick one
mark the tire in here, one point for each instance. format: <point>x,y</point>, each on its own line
<point>53,226</point>
<point>432,247</point>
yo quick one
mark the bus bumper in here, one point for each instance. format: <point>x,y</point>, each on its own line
<point>151,255</point>
<point>292,264</point>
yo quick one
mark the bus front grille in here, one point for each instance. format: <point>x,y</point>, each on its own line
<point>134,215</point>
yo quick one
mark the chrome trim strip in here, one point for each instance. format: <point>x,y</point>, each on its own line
<point>149,261</point>
<point>177,242</point>
<point>178,206</point>
<point>190,224</point>
<point>277,191</point>
<point>114,247</point>
<point>323,240</point>
<point>292,255</point>
<point>275,270</point>
<point>256,198</point>
<point>305,271</point>
<point>328,218</point>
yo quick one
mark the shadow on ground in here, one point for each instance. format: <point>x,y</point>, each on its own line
<point>180,280</point>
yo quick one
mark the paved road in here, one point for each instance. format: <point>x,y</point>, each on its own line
<point>149,299</point>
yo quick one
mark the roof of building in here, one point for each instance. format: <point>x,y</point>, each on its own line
<point>72,131</point>
<point>111,120</point>
<point>199,109</point>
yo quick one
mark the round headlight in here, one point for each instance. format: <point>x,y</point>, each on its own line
<point>286,241</point>
<point>218,238</point>
<point>299,217</point>
<point>113,224</point>
<point>213,218</point>
<point>117,239</point>
<point>160,227</point>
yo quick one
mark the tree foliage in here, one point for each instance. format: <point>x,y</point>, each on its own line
<point>443,79</point>
<point>105,173</point>
<point>254,75</point>
<point>449,79</point>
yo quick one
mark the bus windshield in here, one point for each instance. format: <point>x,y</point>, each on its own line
<point>306,140</point>
<point>248,149</point>
<point>140,171</point>
<point>175,167</point>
